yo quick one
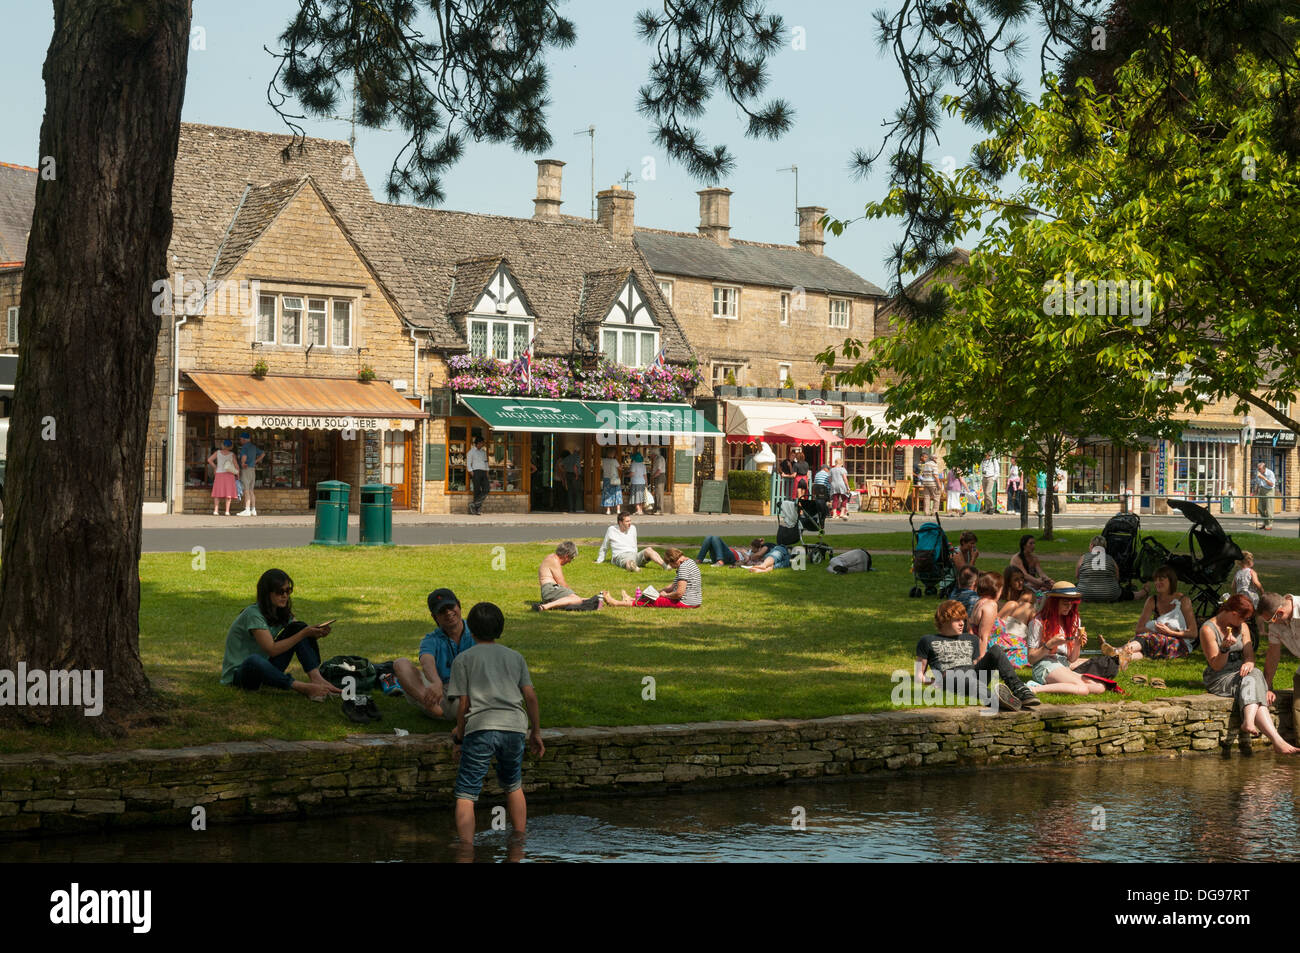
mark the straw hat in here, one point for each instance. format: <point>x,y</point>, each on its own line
<point>1063,590</point>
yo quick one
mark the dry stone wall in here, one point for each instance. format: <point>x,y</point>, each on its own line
<point>245,780</point>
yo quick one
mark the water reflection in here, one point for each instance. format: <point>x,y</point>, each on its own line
<point>1204,808</point>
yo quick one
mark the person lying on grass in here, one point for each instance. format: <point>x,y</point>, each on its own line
<point>1055,641</point>
<point>714,549</point>
<point>778,557</point>
<point>556,593</point>
<point>425,687</point>
<point>953,653</point>
<point>265,637</point>
<point>1230,669</point>
<point>686,592</point>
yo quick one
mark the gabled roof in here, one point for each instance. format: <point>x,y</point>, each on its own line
<point>17,200</point>
<point>599,290</point>
<point>469,280</point>
<point>757,263</point>
<point>258,208</point>
<point>549,260</point>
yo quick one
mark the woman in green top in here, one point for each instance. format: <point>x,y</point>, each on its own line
<point>265,636</point>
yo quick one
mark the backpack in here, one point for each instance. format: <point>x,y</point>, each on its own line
<point>344,666</point>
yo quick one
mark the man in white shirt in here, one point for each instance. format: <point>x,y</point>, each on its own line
<point>476,461</point>
<point>990,470</point>
<point>1282,613</point>
<point>1266,483</point>
<point>620,540</point>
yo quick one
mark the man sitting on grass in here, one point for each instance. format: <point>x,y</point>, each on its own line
<point>954,653</point>
<point>556,593</point>
<point>686,592</point>
<point>426,686</point>
<point>620,540</point>
<point>494,720</point>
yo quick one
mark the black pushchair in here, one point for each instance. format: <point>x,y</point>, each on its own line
<point>1121,536</point>
<point>933,570</point>
<point>793,517</point>
<point>1204,568</point>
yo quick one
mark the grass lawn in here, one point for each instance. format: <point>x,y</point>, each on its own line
<point>783,644</point>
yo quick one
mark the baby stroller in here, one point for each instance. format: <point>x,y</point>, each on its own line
<point>1206,566</point>
<point>932,566</point>
<point>795,516</point>
<point>1121,535</point>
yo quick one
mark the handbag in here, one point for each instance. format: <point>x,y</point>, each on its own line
<point>239,488</point>
<point>649,498</point>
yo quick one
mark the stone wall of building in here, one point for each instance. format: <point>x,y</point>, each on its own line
<point>243,780</point>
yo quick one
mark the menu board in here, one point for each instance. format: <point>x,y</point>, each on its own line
<point>713,497</point>
<point>435,461</point>
<point>683,467</point>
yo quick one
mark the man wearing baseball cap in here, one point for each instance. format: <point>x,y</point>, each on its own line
<point>425,686</point>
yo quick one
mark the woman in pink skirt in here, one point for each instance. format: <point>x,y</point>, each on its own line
<point>223,484</point>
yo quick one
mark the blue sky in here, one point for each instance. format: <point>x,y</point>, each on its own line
<point>840,87</point>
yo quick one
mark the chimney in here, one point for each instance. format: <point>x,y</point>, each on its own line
<point>811,233</point>
<point>715,215</point>
<point>546,207</point>
<point>614,211</point>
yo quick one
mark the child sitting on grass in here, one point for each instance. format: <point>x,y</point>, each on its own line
<point>954,650</point>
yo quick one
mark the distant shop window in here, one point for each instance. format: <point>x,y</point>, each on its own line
<point>284,466</point>
<point>507,453</point>
<point>666,289</point>
<point>726,302</point>
<point>11,327</point>
<point>785,309</point>
<point>839,311</point>
<point>868,463</point>
<point>1200,470</point>
<point>504,340</point>
<point>266,319</point>
<point>342,324</point>
<point>1098,469</point>
<point>316,329</point>
<point>291,320</point>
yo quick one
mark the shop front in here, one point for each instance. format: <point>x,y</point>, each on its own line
<point>529,442</point>
<point>870,462</point>
<point>310,430</point>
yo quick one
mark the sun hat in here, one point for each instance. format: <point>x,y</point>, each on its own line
<point>1063,590</point>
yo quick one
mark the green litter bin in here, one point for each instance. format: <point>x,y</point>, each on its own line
<point>376,515</point>
<point>331,513</point>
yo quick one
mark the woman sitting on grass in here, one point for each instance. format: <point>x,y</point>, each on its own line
<point>967,551</point>
<point>1055,640</point>
<point>1027,563</point>
<point>1165,630</point>
<point>715,550</point>
<point>265,636</point>
<point>984,618</point>
<point>686,592</point>
<point>1230,668</point>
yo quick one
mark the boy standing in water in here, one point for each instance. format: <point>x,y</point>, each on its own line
<point>495,688</point>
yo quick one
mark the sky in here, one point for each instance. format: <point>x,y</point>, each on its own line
<point>840,86</point>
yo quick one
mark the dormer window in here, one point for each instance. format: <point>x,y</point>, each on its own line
<point>501,325</point>
<point>629,334</point>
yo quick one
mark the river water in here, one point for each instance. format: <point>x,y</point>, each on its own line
<point>1203,808</point>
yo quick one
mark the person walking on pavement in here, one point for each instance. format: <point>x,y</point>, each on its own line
<point>573,479</point>
<point>477,462</point>
<point>1266,483</point>
<point>249,459</point>
<point>990,470</point>
<point>659,476</point>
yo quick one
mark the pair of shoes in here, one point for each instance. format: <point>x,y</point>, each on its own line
<point>244,513</point>
<point>362,711</point>
<point>388,684</point>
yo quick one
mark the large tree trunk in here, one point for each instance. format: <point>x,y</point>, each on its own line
<point>69,581</point>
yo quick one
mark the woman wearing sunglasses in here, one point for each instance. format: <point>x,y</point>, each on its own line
<point>265,637</point>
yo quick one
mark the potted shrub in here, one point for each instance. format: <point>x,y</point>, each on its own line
<point>750,492</point>
<point>260,369</point>
<point>367,373</point>
<point>788,389</point>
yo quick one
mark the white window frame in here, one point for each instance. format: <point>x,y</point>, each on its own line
<point>830,313</point>
<point>734,297</point>
<point>334,303</point>
<point>666,289</point>
<point>11,327</point>
<point>323,312</point>
<point>1192,455</point>
<point>473,319</point>
<point>784,372</point>
<point>275,319</point>
<point>785,308</point>
<point>284,309</point>
<point>621,329</point>
<point>720,380</point>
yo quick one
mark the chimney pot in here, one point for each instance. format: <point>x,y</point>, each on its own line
<point>614,210</point>
<point>811,232</point>
<point>715,215</point>
<point>546,207</point>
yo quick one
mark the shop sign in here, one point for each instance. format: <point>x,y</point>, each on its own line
<point>312,422</point>
<point>1160,467</point>
<point>1274,438</point>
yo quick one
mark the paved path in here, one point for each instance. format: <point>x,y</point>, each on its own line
<point>182,533</point>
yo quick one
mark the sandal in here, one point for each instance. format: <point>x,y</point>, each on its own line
<point>1139,679</point>
<point>1158,683</point>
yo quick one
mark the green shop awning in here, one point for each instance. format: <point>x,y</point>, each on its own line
<point>533,414</point>
<point>652,420</point>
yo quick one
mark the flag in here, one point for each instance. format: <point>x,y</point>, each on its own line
<point>660,360</point>
<point>528,362</point>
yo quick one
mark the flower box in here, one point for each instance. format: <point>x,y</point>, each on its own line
<point>751,507</point>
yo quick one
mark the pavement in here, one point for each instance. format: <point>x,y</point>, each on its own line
<point>181,533</point>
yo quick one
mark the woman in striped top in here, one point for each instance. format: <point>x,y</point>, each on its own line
<point>686,592</point>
